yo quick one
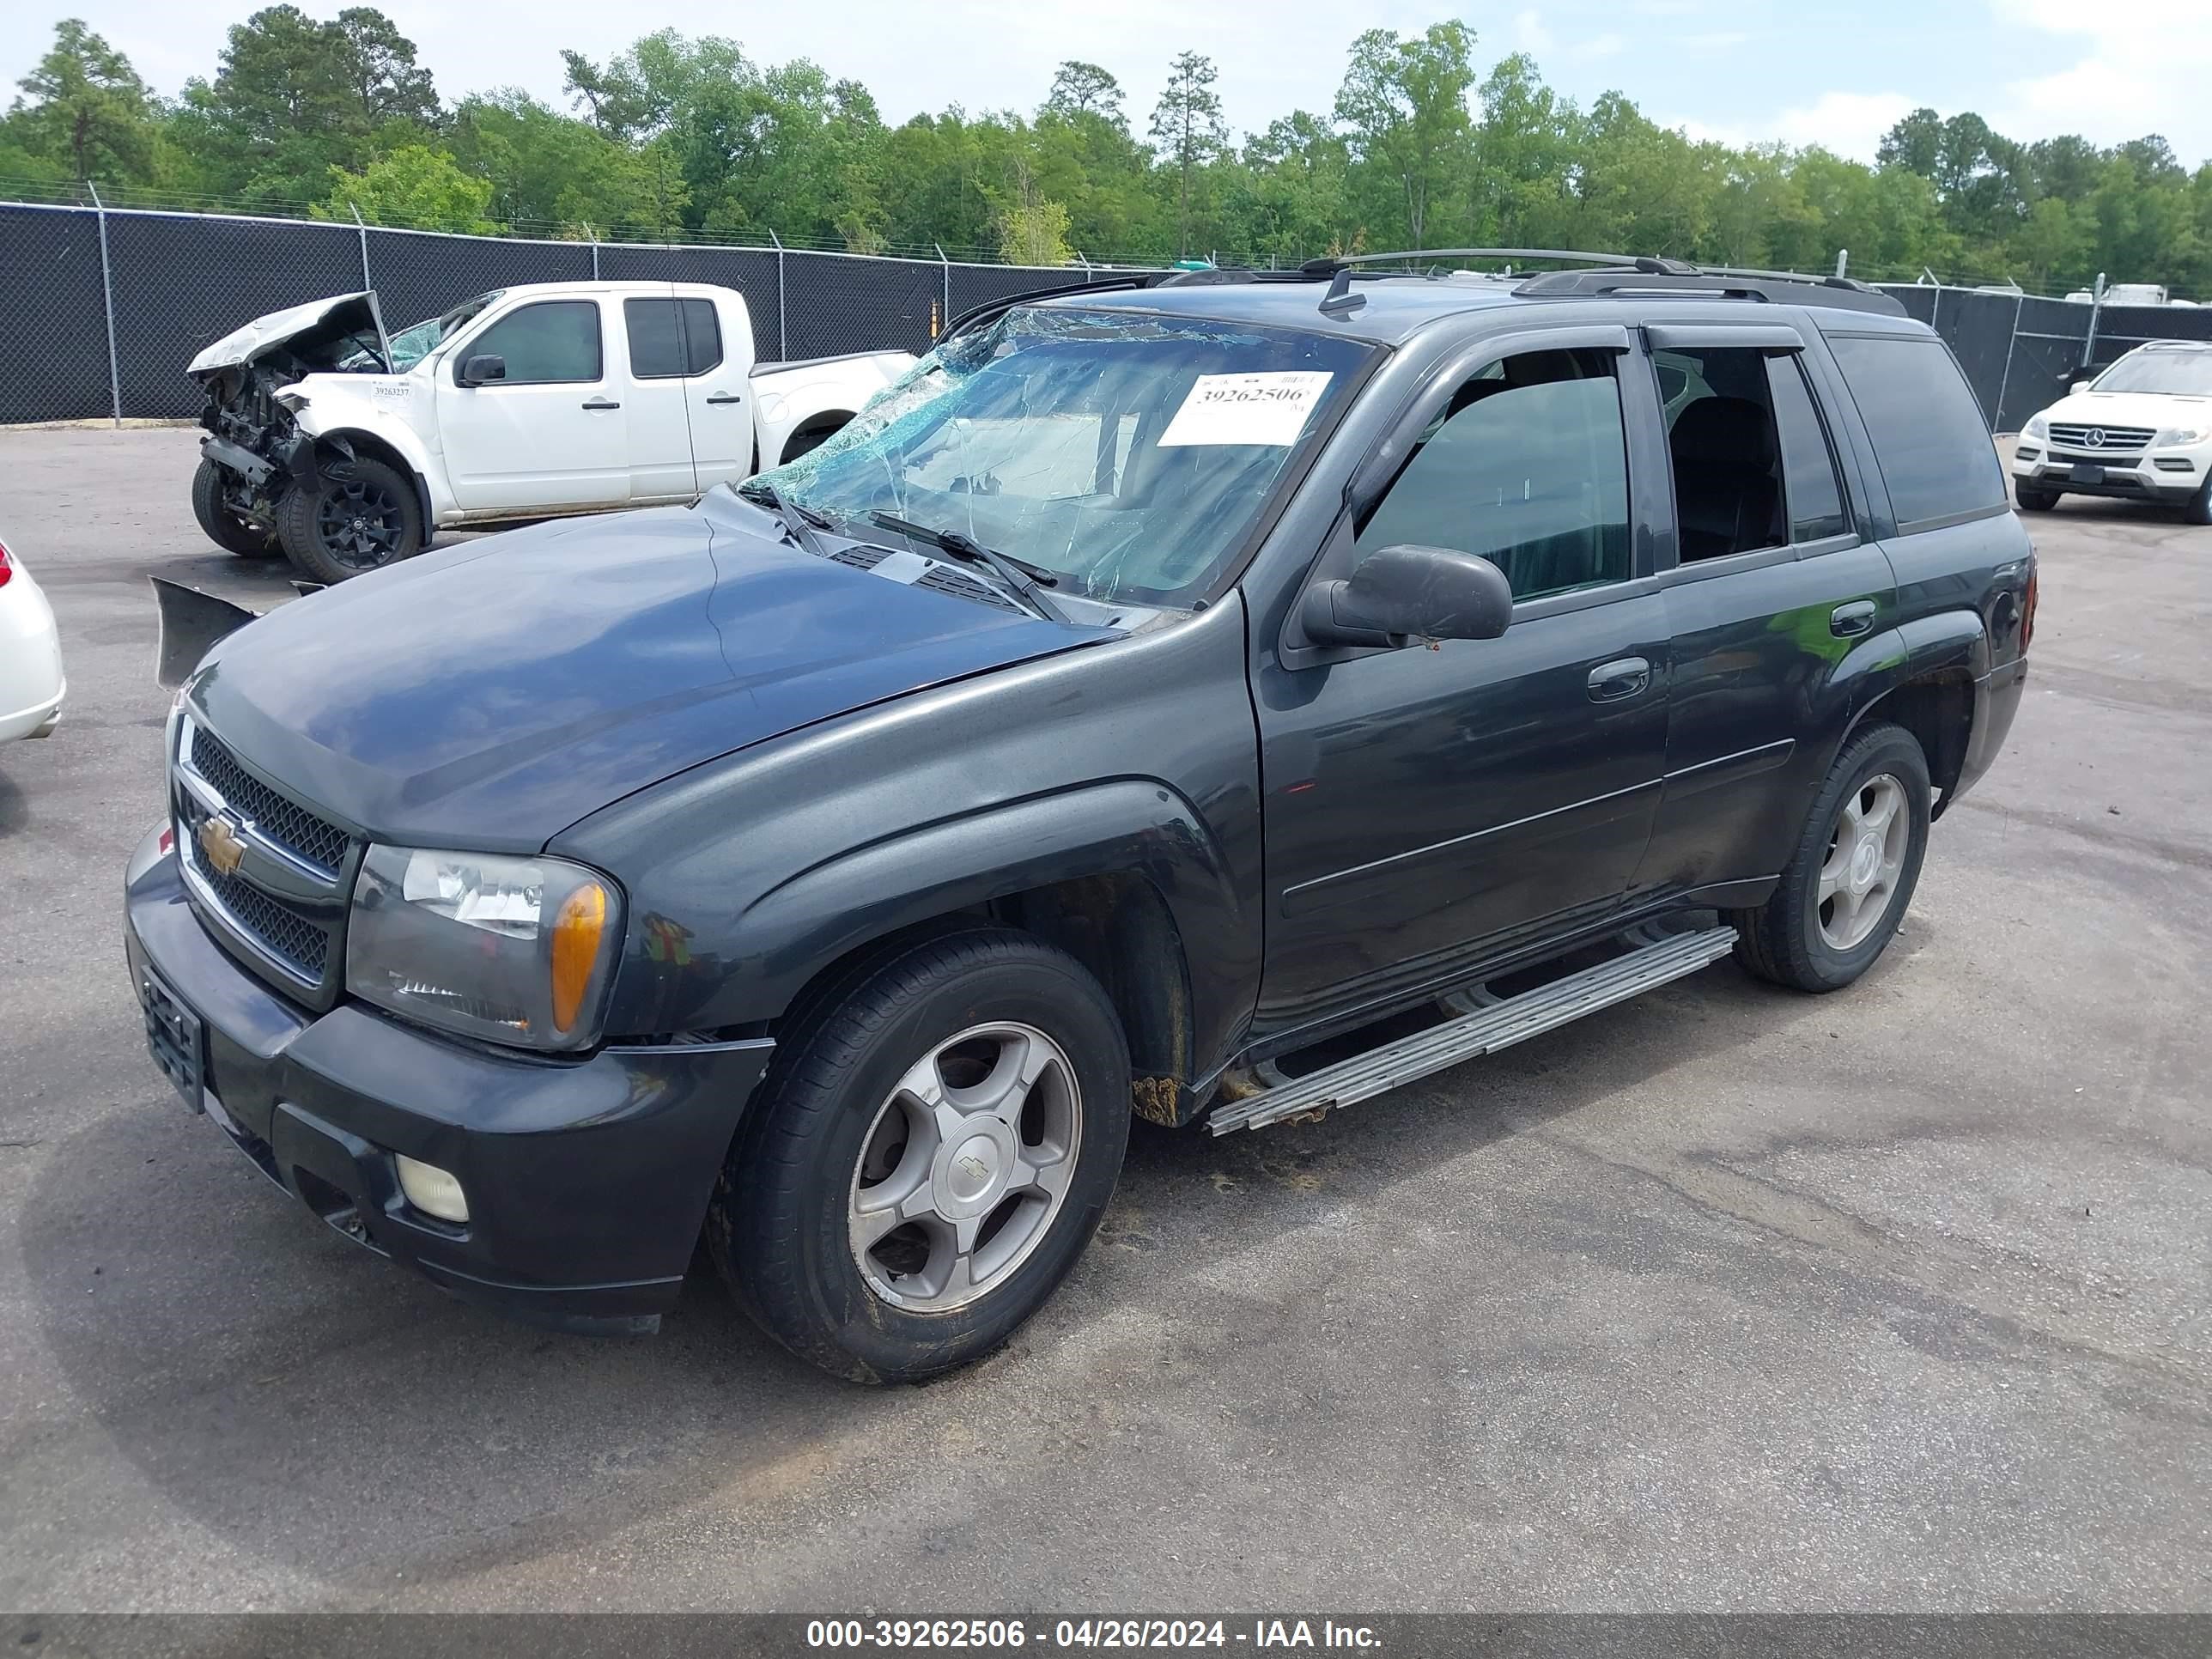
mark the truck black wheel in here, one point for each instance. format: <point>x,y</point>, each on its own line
<point>223,527</point>
<point>2032,500</point>
<point>2198,508</point>
<point>927,1157</point>
<point>359,515</point>
<point>1847,885</point>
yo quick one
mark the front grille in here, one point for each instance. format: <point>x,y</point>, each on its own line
<point>966,587</point>
<point>286,822</point>
<point>271,923</point>
<point>2107,440</point>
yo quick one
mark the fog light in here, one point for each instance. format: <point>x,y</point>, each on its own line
<point>431,1189</point>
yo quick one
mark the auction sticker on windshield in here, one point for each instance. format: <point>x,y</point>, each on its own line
<point>1269,408</point>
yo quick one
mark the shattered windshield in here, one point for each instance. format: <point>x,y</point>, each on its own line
<point>1127,455</point>
<point>411,345</point>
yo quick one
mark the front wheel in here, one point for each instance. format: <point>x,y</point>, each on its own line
<point>2032,500</point>
<point>359,515</point>
<point>1845,889</point>
<point>928,1157</point>
<point>223,525</point>
<point>2198,509</point>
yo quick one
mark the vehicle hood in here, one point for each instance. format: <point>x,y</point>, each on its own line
<point>489,695</point>
<point>2150,409</point>
<point>304,330</point>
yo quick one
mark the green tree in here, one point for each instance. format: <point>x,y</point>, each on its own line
<point>547,169</point>
<point>1403,104</point>
<point>83,107</point>
<point>414,188</point>
<point>1187,127</point>
<point>1079,90</point>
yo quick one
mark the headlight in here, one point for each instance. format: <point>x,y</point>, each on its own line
<point>515,949</point>
<point>2035,427</point>
<point>2177,434</point>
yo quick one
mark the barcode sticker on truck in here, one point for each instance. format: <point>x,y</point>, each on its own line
<point>1246,408</point>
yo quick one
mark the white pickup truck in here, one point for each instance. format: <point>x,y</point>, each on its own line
<point>346,449</point>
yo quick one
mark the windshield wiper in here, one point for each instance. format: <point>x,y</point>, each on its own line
<point>801,521</point>
<point>1027,580</point>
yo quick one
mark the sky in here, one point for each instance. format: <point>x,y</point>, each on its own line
<point>1744,71</point>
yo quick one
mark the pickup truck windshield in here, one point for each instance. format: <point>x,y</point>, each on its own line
<point>1126,454</point>
<point>2175,373</point>
<point>411,345</point>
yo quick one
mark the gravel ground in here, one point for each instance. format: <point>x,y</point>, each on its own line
<point>1722,1299</point>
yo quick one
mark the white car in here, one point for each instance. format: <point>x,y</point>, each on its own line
<point>2142,431</point>
<point>31,682</point>
<point>347,448</point>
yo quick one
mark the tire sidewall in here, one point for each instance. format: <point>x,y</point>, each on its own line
<point>222,526</point>
<point>1888,750</point>
<point>1041,988</point>
<point>302,536</point>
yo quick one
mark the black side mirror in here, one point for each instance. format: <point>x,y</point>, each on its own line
<point>1408,592</point>
<point>484,366</point>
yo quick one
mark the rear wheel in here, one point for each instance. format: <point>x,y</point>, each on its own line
<point>359,515</point>
<point>2032,500</point>
<point>1846,887</point>
<point>927,1158</point>
<point>223,525</point>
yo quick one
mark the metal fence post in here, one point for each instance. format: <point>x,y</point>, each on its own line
<point>1843,259</point>
<point>107,294</point>
<point>593,236</point>
<point>1997,415</point>
<point>367,282</point>
<point>782,329</point>
<point>2096,305</point>
<point>1086,267</point>
<point>947,264</point>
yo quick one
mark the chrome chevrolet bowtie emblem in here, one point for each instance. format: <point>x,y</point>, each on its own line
<point>220,846</point>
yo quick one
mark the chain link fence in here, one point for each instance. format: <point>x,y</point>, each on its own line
<point>100,308</point>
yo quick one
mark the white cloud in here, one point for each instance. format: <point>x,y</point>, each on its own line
<point>1529,34</point>
<point>2148,75</point>
<point>1608,44</point>
<point>1849,124</point>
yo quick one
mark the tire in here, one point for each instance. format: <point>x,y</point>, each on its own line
<point>2198,509</point>
<point>224,527</point>
<point>804,1224</point>
<point>359,515</point>
<point>1807,943</point>
<point>2032,500</point>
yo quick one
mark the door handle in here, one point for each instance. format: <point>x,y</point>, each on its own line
<point>602,403</point>
<point>1626,677</point>
<point>725,398</point>
<point>1849,621</point>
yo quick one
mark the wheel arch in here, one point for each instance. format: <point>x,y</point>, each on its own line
<point>810,432</point>
<point>349,441</point>
<point>1921,676</point>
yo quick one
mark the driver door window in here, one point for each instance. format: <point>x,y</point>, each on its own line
<point>1527,466</point>
<point>554,343</point>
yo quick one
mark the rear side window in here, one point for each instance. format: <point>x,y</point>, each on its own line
<point>1816,500</point>
<point>1929,438</point>
<point>671,337</point>
<point>553,341</point>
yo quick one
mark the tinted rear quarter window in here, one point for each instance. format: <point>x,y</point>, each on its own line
<point>1929,438</point>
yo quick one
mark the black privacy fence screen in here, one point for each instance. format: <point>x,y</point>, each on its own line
<point>101,310</point>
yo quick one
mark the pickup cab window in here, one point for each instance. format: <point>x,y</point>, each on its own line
<point>670,338</point>
<point>1126,455</point>
<point>1527,466</point>
<point>552,341</point>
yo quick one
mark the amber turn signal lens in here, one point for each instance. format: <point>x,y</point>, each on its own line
<point>576,951</point>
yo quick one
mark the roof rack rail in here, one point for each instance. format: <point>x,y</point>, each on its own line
<point>1644,262</point>
<point>1769,288</point>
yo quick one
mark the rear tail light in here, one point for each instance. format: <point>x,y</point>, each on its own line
<point>2027,614</point>
<point>7,570</point>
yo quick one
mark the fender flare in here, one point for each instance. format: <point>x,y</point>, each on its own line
<point>1120,828</point>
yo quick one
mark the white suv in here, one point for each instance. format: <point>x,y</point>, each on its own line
<point>2141,431</point>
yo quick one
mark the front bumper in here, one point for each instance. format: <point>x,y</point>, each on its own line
<point>2168,476</point>
<point>587,1180</point>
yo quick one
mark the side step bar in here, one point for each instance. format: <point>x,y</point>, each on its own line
<point>1486,1030</point>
